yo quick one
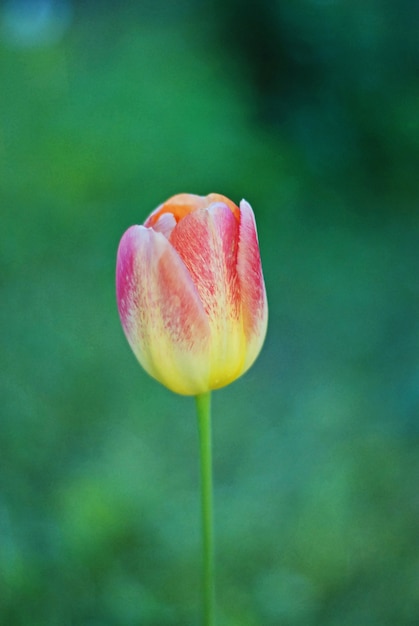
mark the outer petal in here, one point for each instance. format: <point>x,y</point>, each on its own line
<point>252,285</point>
<point>161,313</point>
<point>207,241</point>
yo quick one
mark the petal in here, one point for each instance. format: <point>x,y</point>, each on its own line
<point>179,206</point>
<point>165,224</point>
<point>182,204</point>
<point>216,197</point>
<point>161,313</point>
<point>252,285</point>
<point>207,242</point>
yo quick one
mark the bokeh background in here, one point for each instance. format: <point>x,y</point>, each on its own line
<point>310,110</point>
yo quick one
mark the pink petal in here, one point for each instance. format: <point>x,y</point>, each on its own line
<point>160,311</point>
<point>165,224</point>
<point>207,241</point>
<point>252,285</point>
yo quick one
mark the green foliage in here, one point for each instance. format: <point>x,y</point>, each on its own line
<point>316,449</point>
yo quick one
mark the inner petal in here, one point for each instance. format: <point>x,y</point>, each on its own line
<point>182,204</point>
<point>165,224</point>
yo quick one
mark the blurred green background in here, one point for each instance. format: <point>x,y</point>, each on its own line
<point>309,110</point>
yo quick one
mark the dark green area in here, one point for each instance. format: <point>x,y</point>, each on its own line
<point>309,110</point>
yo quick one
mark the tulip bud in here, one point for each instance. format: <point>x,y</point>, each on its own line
<point>191,294</point>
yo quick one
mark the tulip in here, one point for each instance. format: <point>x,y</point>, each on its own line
<point>192,303</point>
<point>191,294</point>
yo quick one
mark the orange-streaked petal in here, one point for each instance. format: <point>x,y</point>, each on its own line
<point>161,313</point>
<point>207,242</point>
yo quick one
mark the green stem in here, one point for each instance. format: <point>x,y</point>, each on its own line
<point>203,406</point>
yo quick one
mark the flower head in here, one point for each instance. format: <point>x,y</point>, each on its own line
<point>191,294</point>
